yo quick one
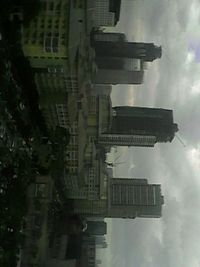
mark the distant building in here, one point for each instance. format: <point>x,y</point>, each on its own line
<point>119,61</point>
<point>139,126</point>
<point>105,76</point>
<point>101,89</point>
<point>101,242</point>
<point>104,13</point>
<point>130,198</point>
<point>115,6</point>
<point>126,198</point>
<point>88,253</point>
<point>96,228</point>
<point>106,45</point>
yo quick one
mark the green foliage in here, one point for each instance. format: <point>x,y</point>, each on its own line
<point>26,146</point>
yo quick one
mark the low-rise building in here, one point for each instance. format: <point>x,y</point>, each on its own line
<point>39,196</point>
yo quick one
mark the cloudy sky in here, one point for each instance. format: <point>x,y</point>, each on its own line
<point>172,82</point>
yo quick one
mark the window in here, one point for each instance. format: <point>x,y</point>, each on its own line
<point>55,44</point>
<point>51,43</point>
<point>40,190</point>
<point>55,69</point>
<point>47,44</point>
<point>51,6</point>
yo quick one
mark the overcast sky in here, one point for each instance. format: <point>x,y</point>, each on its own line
<point>172,82</point>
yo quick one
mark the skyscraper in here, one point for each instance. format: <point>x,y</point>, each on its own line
<point>96,228</point>
<point>139,126</point>
<point>126,198</point>
<point>123,49</point>
<point>130,198</point>
<point>119,61</point>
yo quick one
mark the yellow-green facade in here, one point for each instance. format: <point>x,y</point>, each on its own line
<point>46,37</point>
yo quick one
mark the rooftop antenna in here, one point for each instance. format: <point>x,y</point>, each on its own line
<point>114,163</point>
<point>180,140</point>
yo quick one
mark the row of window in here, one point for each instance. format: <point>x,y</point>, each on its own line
<point>71,85</point>
<point>133,195</point>
<point>93,105</point>
<point>40,190</point>
<point>72,155</point>
<point>73,140</point>
<point>55,6</point>
<point>129,139</point>
<point>73,169</point>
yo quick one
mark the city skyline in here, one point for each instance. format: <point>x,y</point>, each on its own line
<point>171,83</point>
<point>76,148</point>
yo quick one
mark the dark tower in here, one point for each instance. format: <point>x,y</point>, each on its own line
<point>139,126</point>
<point>115,46</point>
<point>119,61</point>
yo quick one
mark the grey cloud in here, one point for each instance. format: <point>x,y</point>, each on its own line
<point>172,240</point>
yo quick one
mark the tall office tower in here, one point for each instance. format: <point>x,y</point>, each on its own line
<point>126,198</point>
<point>120,48</point>
<point>114,70</point>
<point>130,198</point>
<point>139,126</point>
<point>119,61</point>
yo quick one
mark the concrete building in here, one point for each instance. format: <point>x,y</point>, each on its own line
<point>101,242</point>
<point>119,61</point>
<point>106,45</point>
<point>46,42</point>
<point>96,228</point>
<point>101,89</point>
<point>130,198</point>
<point>87,176</point>
<point>39,197</point>
<point>126,198</point>
<point>88,255</point>
<point>105,76</point>
<point>139,126</point>
<point>103,13</point>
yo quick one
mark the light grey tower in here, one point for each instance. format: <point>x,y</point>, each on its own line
<point>131,198</point>
<point>126,198</point>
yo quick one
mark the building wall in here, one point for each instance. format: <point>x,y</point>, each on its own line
<point>39,196</point>
<point>131,198</point>
<point>90,207</point>
<point>47,35</point>
<point>127,140</point>
<point>45,43</point>
<point>99,14</point>
<point>112,76</point>
<point>144,121</point>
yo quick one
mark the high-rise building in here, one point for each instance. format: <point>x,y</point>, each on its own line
<point>105,45</point>
<point>126,198</point>
<point>119,61</point>
<point>130,198</point>
<point>96,228</point>
<point>139,126</point>
<point>46,42</point>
